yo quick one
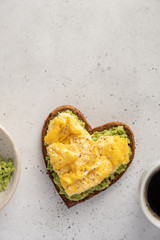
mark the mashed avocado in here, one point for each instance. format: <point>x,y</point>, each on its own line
<point>6,169</point>
<point>80,121</point>
<point>107,181</point>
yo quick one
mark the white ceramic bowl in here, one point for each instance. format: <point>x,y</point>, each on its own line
<point>8,150</point>
<point>143,185</point>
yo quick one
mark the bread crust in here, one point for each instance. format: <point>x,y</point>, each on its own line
<point>91,130</point>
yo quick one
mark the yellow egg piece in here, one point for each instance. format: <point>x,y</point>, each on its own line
<point>80,162</point>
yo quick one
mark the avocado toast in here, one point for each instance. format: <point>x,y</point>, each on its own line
<point>80,175</point>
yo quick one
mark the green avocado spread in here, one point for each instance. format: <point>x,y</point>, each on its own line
<point>6,169</point>
<point>107,181</point>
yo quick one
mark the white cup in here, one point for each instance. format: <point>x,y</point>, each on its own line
<point>143,186</point>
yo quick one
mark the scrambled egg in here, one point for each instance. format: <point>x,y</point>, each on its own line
<point>80,162</point>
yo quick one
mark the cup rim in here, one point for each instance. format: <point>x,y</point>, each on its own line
<point>145,178</point>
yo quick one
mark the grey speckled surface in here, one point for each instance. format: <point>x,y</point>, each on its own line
<point>104,58</point>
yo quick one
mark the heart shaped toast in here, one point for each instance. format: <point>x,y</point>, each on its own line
<point>83,161</point>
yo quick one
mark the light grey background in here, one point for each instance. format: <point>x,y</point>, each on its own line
<point>102,57</point>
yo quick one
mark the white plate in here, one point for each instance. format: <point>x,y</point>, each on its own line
<point>8,150</point>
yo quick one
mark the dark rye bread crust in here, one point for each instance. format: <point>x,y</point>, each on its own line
<point>107,126</point>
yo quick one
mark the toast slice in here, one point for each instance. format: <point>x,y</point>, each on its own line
<point>91,130</point>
